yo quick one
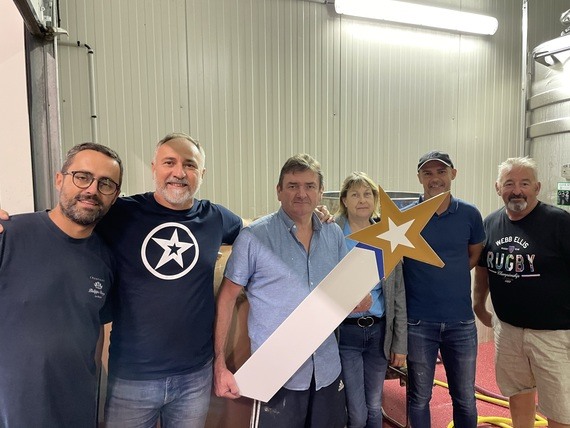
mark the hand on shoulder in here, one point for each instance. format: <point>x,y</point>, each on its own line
<point>3,216</point>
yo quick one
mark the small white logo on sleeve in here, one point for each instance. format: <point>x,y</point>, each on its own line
<point>97,288</point>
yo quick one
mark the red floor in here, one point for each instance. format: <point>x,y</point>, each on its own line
<point>441,410</point>
<point>393,402</point>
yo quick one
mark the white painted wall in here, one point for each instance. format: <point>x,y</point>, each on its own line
<point>16,190</point>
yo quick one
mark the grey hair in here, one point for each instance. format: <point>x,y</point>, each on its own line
<point>184,136</point>
<point>520,162</point>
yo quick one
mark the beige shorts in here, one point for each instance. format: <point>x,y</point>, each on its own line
<point>528,360</point>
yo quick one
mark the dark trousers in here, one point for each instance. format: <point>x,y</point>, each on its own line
<point>325,408</point>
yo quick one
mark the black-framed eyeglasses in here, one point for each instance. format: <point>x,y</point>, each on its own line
<point>83,180</point>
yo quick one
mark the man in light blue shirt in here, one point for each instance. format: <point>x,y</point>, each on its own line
<point>278,260</point>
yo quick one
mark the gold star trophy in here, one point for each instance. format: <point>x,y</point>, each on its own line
<point>397,233</point>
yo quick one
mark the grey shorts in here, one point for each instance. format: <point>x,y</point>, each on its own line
<point>528,360</point>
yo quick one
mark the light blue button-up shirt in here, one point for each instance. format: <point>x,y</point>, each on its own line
<point>277,273</point>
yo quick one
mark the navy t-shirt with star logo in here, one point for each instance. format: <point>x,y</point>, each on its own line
<point>163,305</point>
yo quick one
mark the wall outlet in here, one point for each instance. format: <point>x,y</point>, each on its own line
<point>565,172</point>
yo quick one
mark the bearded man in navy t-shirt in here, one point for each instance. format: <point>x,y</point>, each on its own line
<point>55,275</point>
<point>166,243</point>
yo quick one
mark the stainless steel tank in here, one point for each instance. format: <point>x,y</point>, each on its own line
<point>548,118</point>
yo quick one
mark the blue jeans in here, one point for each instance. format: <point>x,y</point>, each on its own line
<point>364,369</point>
<point>179,401</point>
<point>457,343</point>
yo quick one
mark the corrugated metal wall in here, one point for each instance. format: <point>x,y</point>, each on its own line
<point>406,91</point>
<point>254,81</point>
<point>259,80</point>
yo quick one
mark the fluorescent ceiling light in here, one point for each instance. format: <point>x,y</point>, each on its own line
<point>417,14</point>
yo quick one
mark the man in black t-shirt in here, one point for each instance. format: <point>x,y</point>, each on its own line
<point>525,265</point>
<point>55,275</point>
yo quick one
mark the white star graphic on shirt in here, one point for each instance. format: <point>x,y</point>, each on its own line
<point>173,249</point>
<point>396,234</point>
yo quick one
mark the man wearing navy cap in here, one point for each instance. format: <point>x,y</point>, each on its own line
<point>440,317</point>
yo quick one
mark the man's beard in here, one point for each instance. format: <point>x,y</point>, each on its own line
<point>517,205</point>
<point>177,197</point>
<point>83,217</point>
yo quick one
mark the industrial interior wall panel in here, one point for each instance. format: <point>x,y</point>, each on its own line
<point>140,75</point>
<point>490,120</point>
<point>255,81</point>
<point>261,85</point>
<point>259,80</point>
<point>397,98</point>
<point>407,90</point>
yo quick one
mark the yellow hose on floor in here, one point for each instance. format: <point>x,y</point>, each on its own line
<point>494,420</point>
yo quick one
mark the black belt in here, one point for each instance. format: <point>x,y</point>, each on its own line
<point>367,321</point>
